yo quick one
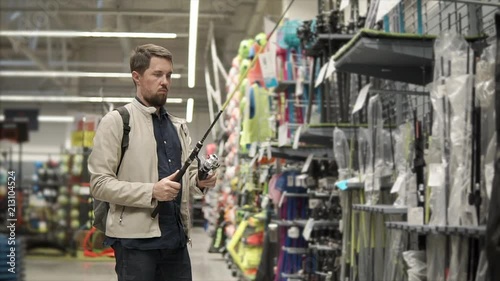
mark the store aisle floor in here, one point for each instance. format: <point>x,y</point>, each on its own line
<point>206,267</point>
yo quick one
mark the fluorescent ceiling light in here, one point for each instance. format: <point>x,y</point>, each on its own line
<point>193,36</point>
<point>69,74</point>
<point>95,34</point>
<point>189,110</point>
<point>75,99</point>
<point>50,119</point>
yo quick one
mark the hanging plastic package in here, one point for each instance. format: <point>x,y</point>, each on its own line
<point>459,93</point>
<point>417,265</point>
<point>388,155</point>
<point>485,94</point>
<point>392,268</point>
<point>436,264</point>
<point>364,153</point>
<point>365,156</point>
<point>482,268</point>
<point>376,140</point>
<point>341,153</point>
<point>443,47</point>
<point>489,168</point>
<point>402,154</point>
<point>485,77</point>
<point>459,259</point>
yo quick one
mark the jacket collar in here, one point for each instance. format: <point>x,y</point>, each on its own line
<point>148,110</point>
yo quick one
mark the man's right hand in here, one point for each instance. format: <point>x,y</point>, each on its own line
<point>166,189</point>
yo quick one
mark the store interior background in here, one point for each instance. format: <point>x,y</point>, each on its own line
<point>233,20</point>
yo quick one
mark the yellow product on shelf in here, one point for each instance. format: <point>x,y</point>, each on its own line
<point>250,257</point>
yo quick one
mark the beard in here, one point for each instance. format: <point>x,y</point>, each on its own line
<point>156,99</point>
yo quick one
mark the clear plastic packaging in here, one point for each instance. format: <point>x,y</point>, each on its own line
<point>436,162</point>
<point>482,268</point>
<point>436,263</point>
<point>403,139</point>
<point>376,139</point>
<point>364,152</point>
<point>485,75</point>
<point>459,259</point>
<point>341,153</point>
<point>417,265</point>
<point>397,241</point>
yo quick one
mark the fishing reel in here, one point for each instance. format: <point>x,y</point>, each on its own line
<point>205,167</point>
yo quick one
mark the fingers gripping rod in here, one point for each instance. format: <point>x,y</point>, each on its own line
<point>199,145</point>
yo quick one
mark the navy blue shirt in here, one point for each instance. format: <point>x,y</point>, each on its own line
<point>169,151</point>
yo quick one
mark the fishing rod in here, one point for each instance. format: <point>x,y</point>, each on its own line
<point>199,144</point>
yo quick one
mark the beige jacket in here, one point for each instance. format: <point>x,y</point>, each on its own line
<point>130,192</point>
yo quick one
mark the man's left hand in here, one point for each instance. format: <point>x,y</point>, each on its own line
<point>209,182</point>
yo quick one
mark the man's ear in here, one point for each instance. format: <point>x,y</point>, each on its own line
<point>136,76</point>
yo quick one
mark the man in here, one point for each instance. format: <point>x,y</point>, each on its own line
<point>146,249</point>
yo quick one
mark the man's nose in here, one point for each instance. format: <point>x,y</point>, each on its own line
<point>164,81</point>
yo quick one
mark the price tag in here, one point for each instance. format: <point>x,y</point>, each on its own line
<point>296,137</point>
<point>398,183</point>
<point>290,181</point>
<point>263,176</point>
<point>416,215</point>
<point>308,229</point>
<point>282,199</point>
<point>307,163</point>
<point>313,203</point>
<point>330,69</point>
<point>299,89</point>
<point>343,4</point>
<point>360,101</point>
<point>283,135</point>
<point>253,149</point>
<point>268,66</point>
<point>261,153</point>
<point>321,75</point>
<point>436,174</point>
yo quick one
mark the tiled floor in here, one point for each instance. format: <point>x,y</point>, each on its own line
<point>206,267</point>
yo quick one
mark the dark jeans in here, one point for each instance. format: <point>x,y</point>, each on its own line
<point>152,265</point>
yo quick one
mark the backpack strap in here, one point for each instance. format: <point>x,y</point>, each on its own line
<point>126,130</point>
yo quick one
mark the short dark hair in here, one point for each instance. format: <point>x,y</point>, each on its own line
<point>141,57</point>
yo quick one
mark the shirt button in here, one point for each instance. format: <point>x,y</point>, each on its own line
<point>169,161</point>
<point>165,142</point>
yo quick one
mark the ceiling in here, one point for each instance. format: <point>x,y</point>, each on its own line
<point>233,20</point>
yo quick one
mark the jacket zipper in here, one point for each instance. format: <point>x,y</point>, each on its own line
<point>121,214</point>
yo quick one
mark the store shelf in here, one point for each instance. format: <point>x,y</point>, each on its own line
<point>322,247</point>
<point>285,84</point>
<point>399,57</point>
<point>398,92</point>
<point>384,209</point>
<point>469,231</point>
<point>303,223</point>
<point>323,273</point>
<point>326,42</point>
<point>292,276</point>
<point>403,57</point>
<point>294,250</point>
<point>302,195</point>
<point>311,194</point>
<point>361,185</point>
<point>301,153</point>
